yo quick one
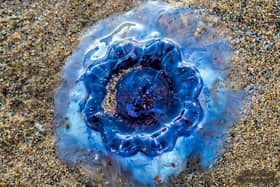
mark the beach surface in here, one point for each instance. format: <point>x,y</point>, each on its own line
<point>36,37</point>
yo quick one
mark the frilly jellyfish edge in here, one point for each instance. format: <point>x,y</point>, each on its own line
<point>143,93</point>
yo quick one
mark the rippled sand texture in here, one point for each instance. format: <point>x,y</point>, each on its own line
<point>37,37</point>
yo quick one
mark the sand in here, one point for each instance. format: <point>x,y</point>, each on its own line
<point>36,37</point>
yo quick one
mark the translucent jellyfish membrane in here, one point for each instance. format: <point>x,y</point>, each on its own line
<point>142,93</point>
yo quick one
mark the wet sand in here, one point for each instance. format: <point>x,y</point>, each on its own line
<point>37,37</point>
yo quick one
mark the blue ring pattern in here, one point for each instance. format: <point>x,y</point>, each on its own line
<point>155,64</point>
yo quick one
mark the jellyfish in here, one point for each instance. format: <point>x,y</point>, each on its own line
<point>143,92</point>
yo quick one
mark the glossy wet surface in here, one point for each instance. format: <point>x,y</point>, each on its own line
<point>36,39</point>
<point>156,101</point>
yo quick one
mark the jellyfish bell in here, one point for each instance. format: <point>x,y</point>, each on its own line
<point>150,110</point>
<point>142,92</point>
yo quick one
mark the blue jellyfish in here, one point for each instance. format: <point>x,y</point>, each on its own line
<point>142,93</point>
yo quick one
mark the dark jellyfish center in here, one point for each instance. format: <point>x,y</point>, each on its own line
<point>143,96</point>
